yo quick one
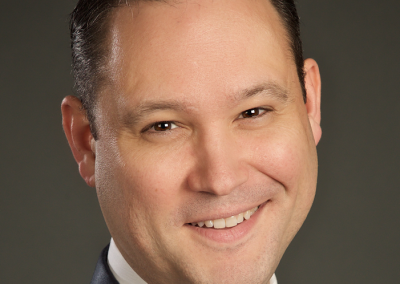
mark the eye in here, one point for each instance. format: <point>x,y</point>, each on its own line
<point>163,126</point>
<point>254,112</point>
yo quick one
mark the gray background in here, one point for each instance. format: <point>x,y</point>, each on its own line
<point>52,230</point>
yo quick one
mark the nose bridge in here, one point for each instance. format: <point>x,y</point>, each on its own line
<point>219,168</point>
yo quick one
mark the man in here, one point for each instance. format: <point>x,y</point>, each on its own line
<point>197,123</point>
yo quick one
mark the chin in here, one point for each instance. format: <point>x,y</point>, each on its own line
<point>244,264</point>
<point>239,271</point>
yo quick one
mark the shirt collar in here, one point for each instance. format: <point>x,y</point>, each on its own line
<point>125,274</point>
<point>120,268</point>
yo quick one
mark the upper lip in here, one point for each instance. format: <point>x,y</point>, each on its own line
<point>223,215</point>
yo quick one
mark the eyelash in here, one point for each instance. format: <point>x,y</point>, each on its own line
<point>262,111</point>
<point>152,126</point>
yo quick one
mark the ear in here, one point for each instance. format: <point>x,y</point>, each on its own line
<point>313,90</point>
<point>80,139</point>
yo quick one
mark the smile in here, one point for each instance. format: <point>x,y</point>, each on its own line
<point>227,222</point>
<point>230,230</point>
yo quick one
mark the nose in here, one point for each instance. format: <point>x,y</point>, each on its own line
<point>219,167</point>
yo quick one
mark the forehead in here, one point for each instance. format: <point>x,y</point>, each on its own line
<point>196,47</point>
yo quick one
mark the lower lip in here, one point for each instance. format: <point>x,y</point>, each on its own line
<point>229,235</point>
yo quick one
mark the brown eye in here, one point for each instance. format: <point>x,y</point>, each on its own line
<point>164,126</point>
<point>251,113</point>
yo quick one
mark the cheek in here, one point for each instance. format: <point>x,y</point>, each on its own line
<point>138,191</point>
<point>283,154</point>
<point>151,180</point>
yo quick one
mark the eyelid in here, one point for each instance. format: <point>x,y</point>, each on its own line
<point>152,125</point>
<point>263,109</point>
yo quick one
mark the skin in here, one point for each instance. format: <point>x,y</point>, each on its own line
<point>200,65</point>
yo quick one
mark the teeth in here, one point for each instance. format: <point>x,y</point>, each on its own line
<point>219,223</point>
<point>247,214</point>
<point>240,218</point>
<point>227,222</point>
<point>231,222</point>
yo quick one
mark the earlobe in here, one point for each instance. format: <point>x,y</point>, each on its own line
<point>77,130</point>
<point>313,104</point>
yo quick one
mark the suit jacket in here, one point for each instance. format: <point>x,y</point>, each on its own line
<point>102,273</point>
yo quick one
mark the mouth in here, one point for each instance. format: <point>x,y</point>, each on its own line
<point>229,222</point>
<point>229,230</point>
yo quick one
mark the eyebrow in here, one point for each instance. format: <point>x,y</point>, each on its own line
<point>147,107</point>
<point>271,90</point>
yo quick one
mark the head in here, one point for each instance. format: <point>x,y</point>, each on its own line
<point>196,111</point>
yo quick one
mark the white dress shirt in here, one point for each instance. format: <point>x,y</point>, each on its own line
<point>125,274</point>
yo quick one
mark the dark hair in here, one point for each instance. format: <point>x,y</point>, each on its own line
<point>88,30</point>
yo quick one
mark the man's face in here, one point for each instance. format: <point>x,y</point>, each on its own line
<point>203,120</point>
